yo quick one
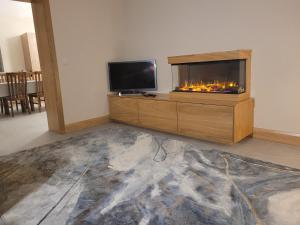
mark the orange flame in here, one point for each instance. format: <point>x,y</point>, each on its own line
<point>215,86</point>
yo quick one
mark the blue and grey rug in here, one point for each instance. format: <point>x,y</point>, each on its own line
<point>119,175</point>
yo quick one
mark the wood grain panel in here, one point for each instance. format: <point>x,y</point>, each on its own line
<point>277,136</point>
<point>159,115</point>
<point>222,98</point>
<point>185,98</point>
<point>45,41</point>
<point>248,75</point>
<point>243,120</point>
<point>206,57</point>
<point>26,51</point>
<point>220,123</point>
<point>28,1</point>
<point>208,122</point>
<point>31,54</point>
<point>124,110</point>
<point>73,127</point>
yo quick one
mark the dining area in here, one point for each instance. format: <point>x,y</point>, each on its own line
<point>21,92</point>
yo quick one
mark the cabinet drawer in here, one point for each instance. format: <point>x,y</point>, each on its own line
<point>209,122</point>
<point>159,115</point>
<point>124,109</point>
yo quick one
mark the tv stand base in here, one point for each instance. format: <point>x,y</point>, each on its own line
<point>213,120</point>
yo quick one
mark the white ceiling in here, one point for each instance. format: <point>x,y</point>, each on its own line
<point>9,8</point>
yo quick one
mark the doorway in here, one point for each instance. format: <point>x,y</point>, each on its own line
<point>25,131</point>
<point>48,61</point>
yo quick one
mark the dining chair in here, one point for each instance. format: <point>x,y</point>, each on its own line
<point>37,97</point>
<point>30,76</point>
<point>2,78</point>
<point>2,103</point>
<point>17,89</point>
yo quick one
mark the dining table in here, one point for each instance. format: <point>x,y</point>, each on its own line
<point>31,89</point>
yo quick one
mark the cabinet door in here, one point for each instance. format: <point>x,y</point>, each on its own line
<point>159,115</point>
<point>124,109</point>
<point>209,122</point>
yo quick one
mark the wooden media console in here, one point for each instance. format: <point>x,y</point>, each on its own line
<point>225,122</point>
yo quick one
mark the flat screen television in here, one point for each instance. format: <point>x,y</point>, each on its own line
<point>132,76</point>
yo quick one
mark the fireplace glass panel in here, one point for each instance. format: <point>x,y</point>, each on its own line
<point>227,77</point>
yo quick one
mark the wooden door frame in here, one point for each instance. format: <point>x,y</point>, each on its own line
<point>48,60</point>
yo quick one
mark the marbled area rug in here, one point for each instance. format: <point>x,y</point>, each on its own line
<point>120,175</point>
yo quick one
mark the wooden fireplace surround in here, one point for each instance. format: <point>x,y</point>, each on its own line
<point>210,57</point>
<point>222,118</point>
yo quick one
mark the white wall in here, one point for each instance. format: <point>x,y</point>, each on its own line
<point>158,29</point>
<point>89,35</point>
<point>15,19</point>
<point>85,34</point>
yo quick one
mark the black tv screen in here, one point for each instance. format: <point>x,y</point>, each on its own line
<point>133,75</point>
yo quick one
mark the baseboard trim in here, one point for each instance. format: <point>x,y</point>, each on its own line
<point>86,124</point>
<point>277,136</point>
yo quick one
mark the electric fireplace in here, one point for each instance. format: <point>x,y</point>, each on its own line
<point>212,75</point>
<point>223,77</point>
